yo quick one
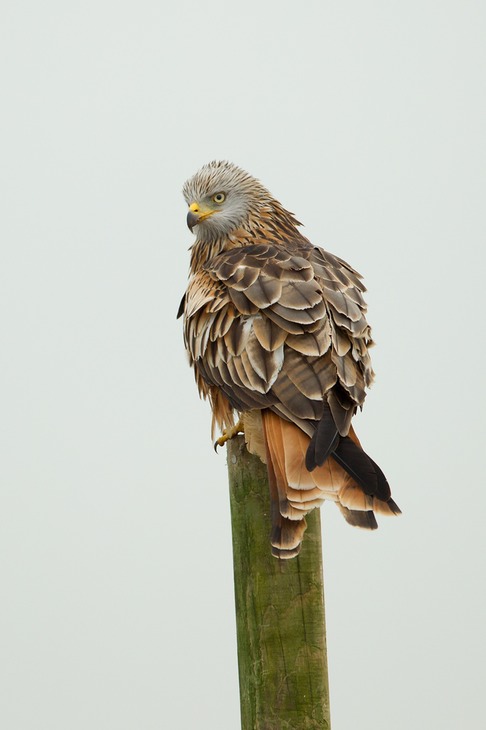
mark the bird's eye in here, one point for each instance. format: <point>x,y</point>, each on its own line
<point>219,198</point>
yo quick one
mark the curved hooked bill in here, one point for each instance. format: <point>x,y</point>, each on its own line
<point>197,214</point>
<point>192,220</point>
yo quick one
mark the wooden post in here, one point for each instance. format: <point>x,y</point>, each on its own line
<point>280,619</point>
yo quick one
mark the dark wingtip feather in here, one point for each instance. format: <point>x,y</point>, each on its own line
<point>383,488</point>
<point>180,311</point>
<point>394,507</point>
<point>323,442</point>
<point>362,468</point>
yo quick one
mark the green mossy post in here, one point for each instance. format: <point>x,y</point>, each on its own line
<point>280,618</point>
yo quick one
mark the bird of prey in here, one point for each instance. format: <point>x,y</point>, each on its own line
<point>276,331</point>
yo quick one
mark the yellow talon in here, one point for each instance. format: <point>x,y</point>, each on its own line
<point>229,433</point>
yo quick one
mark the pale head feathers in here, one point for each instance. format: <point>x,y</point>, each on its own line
<point>244,199</point>
<point>221,176</point>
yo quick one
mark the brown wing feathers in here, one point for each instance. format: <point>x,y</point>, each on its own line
<point>283,330</point>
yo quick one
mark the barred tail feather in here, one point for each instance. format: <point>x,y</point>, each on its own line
<point>352,480</point>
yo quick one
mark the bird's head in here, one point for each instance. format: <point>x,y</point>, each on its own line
<point>221,198</point>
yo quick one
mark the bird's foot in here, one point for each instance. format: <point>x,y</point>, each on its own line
<point>229,433</point>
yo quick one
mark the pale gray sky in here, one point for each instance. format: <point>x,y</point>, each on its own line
<point>365,119</point>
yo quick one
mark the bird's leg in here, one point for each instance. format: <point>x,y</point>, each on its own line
<point>229,433</point>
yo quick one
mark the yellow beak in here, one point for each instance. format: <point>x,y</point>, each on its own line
<point>196,214</point>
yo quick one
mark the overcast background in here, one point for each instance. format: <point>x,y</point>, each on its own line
<point>367,120</point>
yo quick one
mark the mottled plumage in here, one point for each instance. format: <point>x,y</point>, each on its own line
<point>276,330</point>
